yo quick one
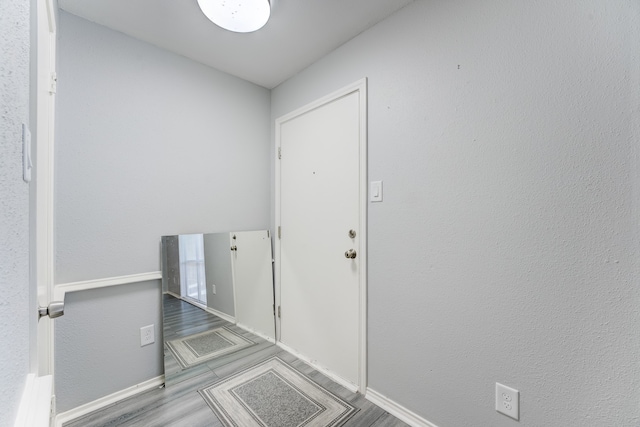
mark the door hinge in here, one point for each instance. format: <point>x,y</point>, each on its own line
<point>279,232</point>
<point>279,152</point>
<point>53,88</point>
<point>279,312</point>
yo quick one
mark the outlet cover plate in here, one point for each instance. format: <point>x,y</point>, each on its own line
<point>508,401</point>
<point>147,335</point>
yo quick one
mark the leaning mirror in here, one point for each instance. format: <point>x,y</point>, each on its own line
<point>218,299</point>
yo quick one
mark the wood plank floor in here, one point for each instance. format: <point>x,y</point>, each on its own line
<point>179,403</point>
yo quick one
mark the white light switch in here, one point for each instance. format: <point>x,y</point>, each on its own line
<point>376,191</point>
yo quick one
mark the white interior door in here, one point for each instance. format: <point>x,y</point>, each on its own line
<point>253,281</point>
<point>321,213</point>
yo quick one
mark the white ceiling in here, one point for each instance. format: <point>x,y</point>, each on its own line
<point>298,33</point>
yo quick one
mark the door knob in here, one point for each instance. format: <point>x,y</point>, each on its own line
<point>351,253</point>
<point>53,310</point>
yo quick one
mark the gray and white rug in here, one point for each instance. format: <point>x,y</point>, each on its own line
<point>198,348</point>
<point>272,394</point>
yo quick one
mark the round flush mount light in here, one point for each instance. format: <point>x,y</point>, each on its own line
<point>240,16</point>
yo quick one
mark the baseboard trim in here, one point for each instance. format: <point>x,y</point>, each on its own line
<point>258,333</point>
<point>105,401</point>
<point>35,405</point>
<point>344,383</point>
<point>220,314</point>
<point>397,410</point>
<point>204,307</point>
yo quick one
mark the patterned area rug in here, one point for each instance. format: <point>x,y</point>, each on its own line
<point>204,346</point>
<point>272,394</point>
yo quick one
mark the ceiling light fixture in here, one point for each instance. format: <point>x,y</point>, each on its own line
<point>240,16</point>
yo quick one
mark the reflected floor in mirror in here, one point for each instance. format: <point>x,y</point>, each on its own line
<point>197,341</point>
<point>256,384</point>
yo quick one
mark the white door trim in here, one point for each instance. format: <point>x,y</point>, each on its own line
<point>361,88</point>
<point>45,87</point>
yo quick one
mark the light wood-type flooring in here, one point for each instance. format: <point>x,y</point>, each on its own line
<point>179,403</point>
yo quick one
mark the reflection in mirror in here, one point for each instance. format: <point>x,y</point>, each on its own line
<point>192,277</point>
<point>217,300</point>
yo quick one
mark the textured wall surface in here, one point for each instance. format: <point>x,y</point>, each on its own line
<point>14,207</point>
<point>506,248</point>
<point>148,144</point>
<point>98,342</point>
<point>170,264</point>
<point>218,270</point>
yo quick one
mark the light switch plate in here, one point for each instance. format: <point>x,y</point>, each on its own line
<point>375,194</point>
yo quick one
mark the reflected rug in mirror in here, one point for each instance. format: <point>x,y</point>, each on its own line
<point>272,394</point>
<point>198,348</point>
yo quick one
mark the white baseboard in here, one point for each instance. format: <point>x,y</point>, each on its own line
<point>258,333</point>
<point>105,401</point>
<point>344,383</point>
<point>35,405</point>
<point>397,410</point>
<point>204,307</point>
<point>220,314</point>
<point>173,295</point>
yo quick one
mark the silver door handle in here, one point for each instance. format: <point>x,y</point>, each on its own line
<point>351,253</point>
<point>53,310</point>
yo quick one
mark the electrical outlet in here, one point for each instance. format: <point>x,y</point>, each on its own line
<point>508,401</point>
<point>213,289</point>
<point>147,335</point>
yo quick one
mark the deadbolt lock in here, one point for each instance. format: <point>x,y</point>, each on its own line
<point>352,233</point>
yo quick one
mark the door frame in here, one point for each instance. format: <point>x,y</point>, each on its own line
<point>359,87</point>
<point>42,221</point>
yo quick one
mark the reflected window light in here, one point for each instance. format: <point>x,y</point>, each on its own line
<point>192,275</point>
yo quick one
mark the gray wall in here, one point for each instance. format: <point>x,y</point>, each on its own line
<point>148,144</point>
<point>98,342</point>
<point>218,271</point>
<point>506,248</point>
<point>171,264</point>
<point>15,304</point>
<point>507,242</point>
